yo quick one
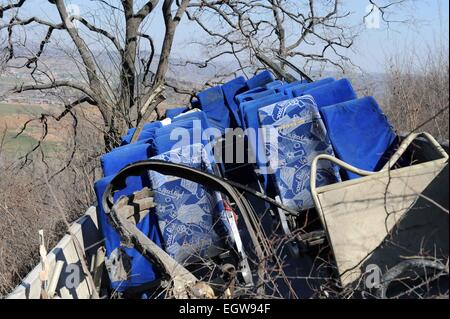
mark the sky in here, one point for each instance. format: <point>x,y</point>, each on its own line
<point>428,22</point>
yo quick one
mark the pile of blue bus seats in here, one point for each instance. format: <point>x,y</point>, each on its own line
<point>192,220</point>
<point>273,181</point>
<point>360,133</point>
<point>288,125</point>
<point>327,91</point>
<point>188,221</point>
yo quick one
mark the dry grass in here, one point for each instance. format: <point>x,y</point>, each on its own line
<point>26,205</point>
<point>417,88</point>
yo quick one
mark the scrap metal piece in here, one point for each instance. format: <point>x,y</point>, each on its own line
<point>278,70</point>
<point>55,278</point>
<point>396,271</point>
<point>43,275</point>
<point>295,68</point>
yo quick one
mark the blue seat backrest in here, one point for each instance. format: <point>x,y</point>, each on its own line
<point>177,139</point>
<point>301,136</point>
<point>247,97</point>
<point>360,133</point>
<point>131,131</point>
<point>230,90</point>
<point>191,218</point>
<point>239,97</point>
<point>299,90</point>
<point>151,125</point>
<point>274,85</point>
<point>260,80</point>
<point>126,139</point>
<point>283,88</point>
<point>247,108</point>
<point>182,123</point>
<point>255,140</point>
<point>179,131</point>
<point>212,102</point>
<point>122,156</point>
<point>332,93</point>
<point>148,130</point>
<point>145,133</point>
<point>193,116</point>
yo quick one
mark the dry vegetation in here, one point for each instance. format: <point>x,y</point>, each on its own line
<point>26,205</point>
<point>417,92</point>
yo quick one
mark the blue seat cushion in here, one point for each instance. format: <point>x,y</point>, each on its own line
<point>301,136</point>
<point>191,218</point>
<point>360,133</point>
<point>122,156</point>
<point>299,89</point>
<point>287,86</point>
<point>332,93</point>
<point>254,137</point>
<point>212,102</point>
<point>230,90</point>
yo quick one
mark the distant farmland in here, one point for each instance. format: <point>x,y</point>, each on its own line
<point>12,118</point>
